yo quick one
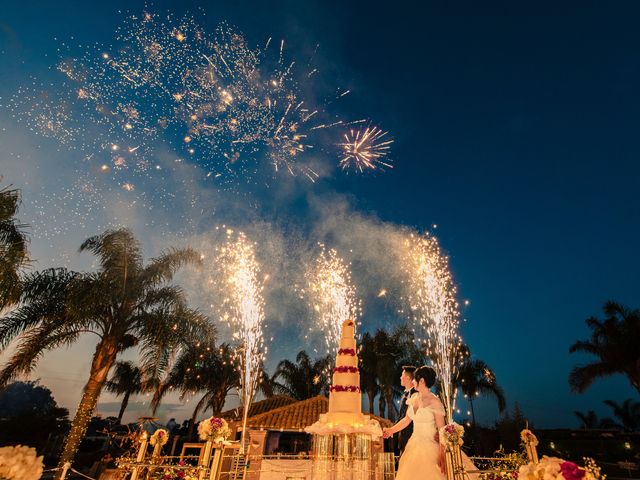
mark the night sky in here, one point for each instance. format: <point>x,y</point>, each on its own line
<point>515,130</point>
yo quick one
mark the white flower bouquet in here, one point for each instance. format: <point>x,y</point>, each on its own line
<point>528,438</point>
<point>451,434</point>
<point>20,463</point>
<point>160,436</point>
<point>215,429</point>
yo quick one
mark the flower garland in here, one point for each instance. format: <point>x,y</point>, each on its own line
<point>345,369</point>
<point>451,434</point>
<point>215,429</point>
<point>344,388</point>
<point>20,463</point>
<point>553,468</point>
<point>528,438</point>
<point>347,351</point>
<point>160,436</point>
<point>173,473</point>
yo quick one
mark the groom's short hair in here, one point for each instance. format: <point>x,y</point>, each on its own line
<point>409,370</point>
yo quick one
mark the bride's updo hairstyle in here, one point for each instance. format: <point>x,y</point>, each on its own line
<point>427,374</point>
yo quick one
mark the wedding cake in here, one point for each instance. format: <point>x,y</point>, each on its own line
<point>345,399</point>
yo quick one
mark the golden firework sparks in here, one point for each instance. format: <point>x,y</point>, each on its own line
<point>244,311</point>
<point>332,295</point>
<point>366,149</point>
<point>434,308</point>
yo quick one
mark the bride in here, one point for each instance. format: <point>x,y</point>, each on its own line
<point>423,454</point>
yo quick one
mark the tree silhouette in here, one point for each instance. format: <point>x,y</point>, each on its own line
<point>303,379</point>
<point>614,343</point>
<point>13,248</point>
<point>126,380</point>
<point>124,303</point>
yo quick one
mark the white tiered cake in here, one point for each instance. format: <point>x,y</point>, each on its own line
<point>345,400</point>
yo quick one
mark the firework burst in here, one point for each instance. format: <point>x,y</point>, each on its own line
<point>243,310</point>
<point>366,149</point>
<point>434,308</point>
<point>332,295</point>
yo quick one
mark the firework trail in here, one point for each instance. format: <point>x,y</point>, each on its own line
<point>332,295</point>
<point>434,308</point>
<point>244,311</point>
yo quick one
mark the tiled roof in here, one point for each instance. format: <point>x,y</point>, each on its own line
<point>260,407</point>
<point>297,416</point>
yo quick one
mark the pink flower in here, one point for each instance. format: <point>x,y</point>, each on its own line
<point>571,471</point>
<point>180,474</point>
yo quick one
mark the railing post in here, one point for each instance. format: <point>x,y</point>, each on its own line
<point>530,442</point>
<point>142,451</point>
<point>205,459</point>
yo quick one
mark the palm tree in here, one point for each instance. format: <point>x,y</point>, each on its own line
<point>614,343</point>
<point>124,303</point>
<point>13,248</point>
<point>588,420</point>
<point>388,353</point>
<point>474,377</point>
<point>202,368</point>
<point>303,379</point>
<point>628,413</point>
<point>126,380</point>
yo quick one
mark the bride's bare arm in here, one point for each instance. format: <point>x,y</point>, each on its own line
<point>387,432</point>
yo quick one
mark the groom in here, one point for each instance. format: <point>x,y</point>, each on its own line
<point>406,380</point>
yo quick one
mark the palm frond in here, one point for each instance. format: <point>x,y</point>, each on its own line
<point>33,344</point>
<point>582,376</point>
<point>119,253</point>
<point>163,268</point>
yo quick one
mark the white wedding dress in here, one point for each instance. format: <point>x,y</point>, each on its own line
<point>420,457</point>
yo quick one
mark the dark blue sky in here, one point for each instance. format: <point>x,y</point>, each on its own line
<point>515,131</point>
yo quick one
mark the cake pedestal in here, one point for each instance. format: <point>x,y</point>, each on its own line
<point>342,457</point>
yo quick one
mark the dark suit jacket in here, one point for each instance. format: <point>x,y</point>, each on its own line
<point>405,434</point>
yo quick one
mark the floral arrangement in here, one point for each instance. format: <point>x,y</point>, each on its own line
<point>345,369</point>
<point>173,473</point>
<point>347,351</point>
<point>160,437</point>
<point>528,438</point>
<point>344,388</point>
<point>451,434</point>
<point>553,468</point>
<point>20,463</point>
<point>213,428</point>
<point>501,466</point>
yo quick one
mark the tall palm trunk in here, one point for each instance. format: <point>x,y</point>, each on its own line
<point>382,404</point>
<point>371,396</point>
<point>634,377</point>
<point>103,359</point>
<point>473,413</point>
<point>391,406</point>
<point>123,406</point>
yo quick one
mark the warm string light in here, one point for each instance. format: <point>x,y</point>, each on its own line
<point>434,308</point>
<point>332,295</point>
<point>244,310</point>
<point>80,423</point>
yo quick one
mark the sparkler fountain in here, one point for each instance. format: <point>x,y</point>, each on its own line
<point>432,300</point>
<point>244,311</point>
<point>332,295</point>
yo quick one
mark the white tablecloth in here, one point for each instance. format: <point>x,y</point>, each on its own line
<point>283,469</point>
